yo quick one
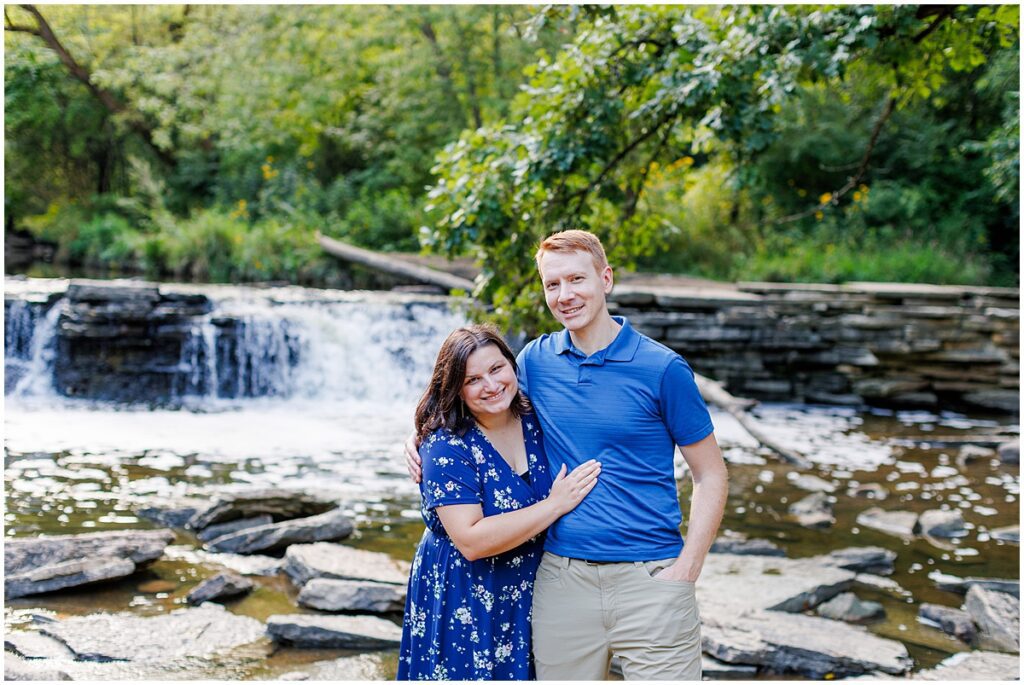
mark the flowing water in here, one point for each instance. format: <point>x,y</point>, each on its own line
<point>334,417</point>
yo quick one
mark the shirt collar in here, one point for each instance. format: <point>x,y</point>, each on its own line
<point>621,349</point>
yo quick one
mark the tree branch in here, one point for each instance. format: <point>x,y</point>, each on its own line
<point>943,12</point>
<point>11,26</point>
<point>630,209</point>
<point>852,182</point>
<point>79,72</point>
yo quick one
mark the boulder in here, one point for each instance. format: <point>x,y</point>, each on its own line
<point>31,644</point>
<point>974,666</point>
<point>955,622</point>
<point>938,523</point>
<point>900,523</point>
<point>732,584</point>
<point>329,594</point>
<point>218,529</point>
<point>334,632</point>
<point>221,586</point>
<point>45,564</point>
<point>873,560</point>
<point>806,481</point>
<point>998,617</point>
<point>333,525</point>
<point>813,511</point>
<point>190,632</point>
<point>807,645</point>
<point>1006,534</point>
<point>327,560</point>
<point>280,504</point>
<point>1009,452</point>
<point>951,583</point>
<point>764,548</point>
<point>848,607</point>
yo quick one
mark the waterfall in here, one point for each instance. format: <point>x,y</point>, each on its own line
<point>286,343</point>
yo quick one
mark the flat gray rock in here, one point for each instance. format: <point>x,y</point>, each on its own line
<point>66,574</point>
<point>219,529</point>
<point>194,632</point>
<point>974,666</point>
<point>329,594</point>
<point>329,560</point>
<point>795,643</point>
<point>850,608</point>
<point>278,503</point>
<point>806,481</point>
<point>998,617</point>
<point>951,583</point>
<point>813,511</point>
<point>972,453</point>
<point>955,622</point>
<point>938,523</point>
<point>174,512</point>
<point>18,669</point>
<point>221,586</point>
<point>731,584</point>
<point>869,491</point>
<point>338,632</point>
<point>764,548</point>
<point>139,546</point>
<point>900,523</point>
<point>332,525</point>
<point>873,560</point>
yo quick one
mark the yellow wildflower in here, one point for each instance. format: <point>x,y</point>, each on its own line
<point>819,215</point>
<point>825,198</point>
<point>857,196</point>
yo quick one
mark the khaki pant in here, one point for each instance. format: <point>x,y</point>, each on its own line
<point>583,613</point>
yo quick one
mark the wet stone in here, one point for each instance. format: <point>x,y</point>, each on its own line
<point>900,523</point>
<point>217,530</point>
<point>951,583</point>
<point>221,586</point>
<point>66,574</point>
<point>848,607</point>
<point>998,617</point>
<point>972,453</point>
<point>955,622</point>
<point>172,512</point>
<point>328,560</point>
<point>337,632</point>
<point>279,503</point>
<point>764,548</point>
<point>192,632</point>
<point>333,525</point>
<point>329,594</point>
<point>874,560</point>
<point>938,523</point>
<point>813,511</point>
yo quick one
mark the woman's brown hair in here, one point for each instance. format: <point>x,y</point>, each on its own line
<point>441,405</point>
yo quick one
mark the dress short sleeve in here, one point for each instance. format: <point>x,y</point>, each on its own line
<point>450,474</point>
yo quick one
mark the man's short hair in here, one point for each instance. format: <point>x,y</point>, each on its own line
<point>574,240</point>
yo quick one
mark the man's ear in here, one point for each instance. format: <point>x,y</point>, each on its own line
<point>608,278</point>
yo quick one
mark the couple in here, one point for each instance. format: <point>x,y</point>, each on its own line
<point>588,458</point>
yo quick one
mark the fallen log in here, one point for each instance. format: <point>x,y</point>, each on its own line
<point>391,265</point>
<point>713,392</point>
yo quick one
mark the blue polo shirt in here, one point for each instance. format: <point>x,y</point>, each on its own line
<point>627,406</point>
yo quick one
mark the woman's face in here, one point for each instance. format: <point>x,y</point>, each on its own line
<point>490,383</point>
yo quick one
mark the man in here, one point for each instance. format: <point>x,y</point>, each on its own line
<point>613,580</point>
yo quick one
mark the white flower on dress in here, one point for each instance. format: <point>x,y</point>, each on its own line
<point>503,499</point>
<point>464,615</point>
<point>502,652</point>
<point>486,598</point>
<point>478,454</point>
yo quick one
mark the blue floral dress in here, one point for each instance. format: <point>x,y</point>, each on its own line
<point>470,620</point>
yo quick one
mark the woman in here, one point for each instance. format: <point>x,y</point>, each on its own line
<point>487,498</point>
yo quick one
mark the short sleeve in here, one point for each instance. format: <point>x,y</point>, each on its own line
<point>450,475</point>
<point>521,365</point>
<point>682,406</point>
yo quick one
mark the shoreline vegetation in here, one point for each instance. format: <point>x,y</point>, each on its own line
<point>206,142</point>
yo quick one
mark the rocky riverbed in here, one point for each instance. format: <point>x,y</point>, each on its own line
<point>284,553</point>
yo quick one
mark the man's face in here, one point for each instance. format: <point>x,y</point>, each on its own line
<point>574,288</point>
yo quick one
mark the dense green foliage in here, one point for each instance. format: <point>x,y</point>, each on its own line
<point>737,142</point>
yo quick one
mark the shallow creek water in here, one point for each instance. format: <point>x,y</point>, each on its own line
<point>74,467</point>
